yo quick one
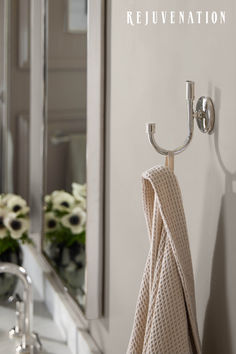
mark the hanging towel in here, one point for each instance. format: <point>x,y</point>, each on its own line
<point>165,318</point>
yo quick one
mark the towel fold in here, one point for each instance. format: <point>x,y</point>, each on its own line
<point>165,318</point>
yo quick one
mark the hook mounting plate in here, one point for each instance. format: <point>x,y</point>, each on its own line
<point>205,114</point>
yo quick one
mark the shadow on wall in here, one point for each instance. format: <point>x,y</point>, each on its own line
<point>217,337</point>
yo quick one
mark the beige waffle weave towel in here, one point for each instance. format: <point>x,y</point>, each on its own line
<point>165,318</point>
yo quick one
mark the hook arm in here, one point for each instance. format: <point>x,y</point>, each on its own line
<point>150,127</point>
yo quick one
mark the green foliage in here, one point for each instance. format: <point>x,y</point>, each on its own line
<point>25,239</point>
<point>64,235</point>
<point>48,206</point>
<point>9,243</point>
<point>59,213</point>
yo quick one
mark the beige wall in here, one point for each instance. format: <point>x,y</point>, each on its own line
<point>147,68</point>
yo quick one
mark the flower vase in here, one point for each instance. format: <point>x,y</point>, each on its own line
<point>69,262</point>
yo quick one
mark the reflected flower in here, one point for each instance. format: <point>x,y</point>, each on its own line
<point>16,226</point>
<point>55,194</point>
<point>62,201</point>
<point>82,202</point>
<point>2,204</point>
<point>47,203</point>
<point>51,222</point>
<point>47,199</point>
<point>3,230</point>
<point>79,190</point>
<point>7,197</point>
<point>75,221</point>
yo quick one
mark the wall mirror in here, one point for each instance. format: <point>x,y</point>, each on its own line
<point>64,235</point>
<point>66,173</point>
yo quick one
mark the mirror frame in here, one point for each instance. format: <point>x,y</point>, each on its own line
<point>4,96</point>
<point>95,141</point>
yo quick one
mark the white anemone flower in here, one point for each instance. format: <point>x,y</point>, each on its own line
<point>3,230</point>
<point>82,202</point>
<point>16,226</point>
<point>3,233</point>
<point>79,190</point>
<point>55,193</point>
<point>47,199</point>
<point>2,204</point>
<point>17,205</point>
<point>51,222</point>
<point>75,221</point>
<point>63,201</point>
<point>7,197</point>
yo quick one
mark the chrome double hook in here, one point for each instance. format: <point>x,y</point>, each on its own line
<point>204,114</point>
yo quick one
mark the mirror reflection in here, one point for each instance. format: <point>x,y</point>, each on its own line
<point>65,158</point>
<point>76,15</point>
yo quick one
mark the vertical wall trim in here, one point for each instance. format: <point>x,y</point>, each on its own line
<point>95,157</point>
<point>5,98</point>
<point>37,114</point>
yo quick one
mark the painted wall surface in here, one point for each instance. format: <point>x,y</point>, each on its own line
<point>147,69</point>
